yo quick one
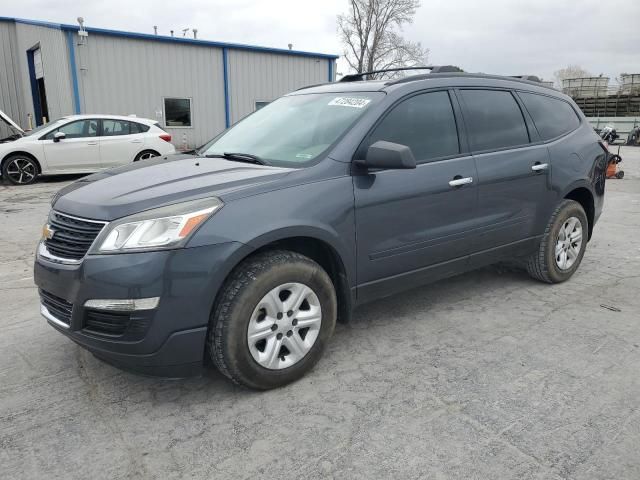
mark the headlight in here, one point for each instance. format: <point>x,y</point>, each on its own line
<point>165,227</point>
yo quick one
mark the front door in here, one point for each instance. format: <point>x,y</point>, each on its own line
<point>513,173</point>
<point>79,151</point>
<point>414,225</point>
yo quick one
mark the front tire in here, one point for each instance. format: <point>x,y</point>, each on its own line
<point>562,246</point>
<point>273,320</point>
<point>20,169</point>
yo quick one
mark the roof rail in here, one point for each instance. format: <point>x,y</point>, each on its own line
<point>358,77</point>
<point>531,78</point>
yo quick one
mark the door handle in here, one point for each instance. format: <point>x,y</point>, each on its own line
<point>538,167</point>
<point>458,181</point>
<point>92,143</point>
<point>136,141</point>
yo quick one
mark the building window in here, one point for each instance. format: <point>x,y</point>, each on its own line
<point>177,112</point>
<point>259,105</point>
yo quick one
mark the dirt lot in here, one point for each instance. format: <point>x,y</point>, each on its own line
<point>490,375</point>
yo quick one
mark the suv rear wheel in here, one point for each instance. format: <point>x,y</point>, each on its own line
<point>273,320</point>
<point>562,246</point>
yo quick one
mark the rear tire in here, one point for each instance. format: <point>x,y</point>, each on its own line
<point>559,255</point>
<point>20,169</point>
<point>258,288</point>
<point>146,155</point>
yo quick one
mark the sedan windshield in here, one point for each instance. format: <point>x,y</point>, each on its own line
<point>293,130</point>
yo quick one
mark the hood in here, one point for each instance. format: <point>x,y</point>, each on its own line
<point>12,127</point>
<point>140,186</point>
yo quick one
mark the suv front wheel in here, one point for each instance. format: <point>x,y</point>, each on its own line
<point>273,320</point>
<point>562,246</point>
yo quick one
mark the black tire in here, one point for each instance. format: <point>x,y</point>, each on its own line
<point>144,155</point>
<point>620,175</point>
<point>20,169</point>
<point>244,289</point>
<point>542,265</point>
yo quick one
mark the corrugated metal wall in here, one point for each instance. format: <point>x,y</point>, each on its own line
<point>125,76</point>
<point>257,76</point>
<point>55,62</point>
<point>11,98</point>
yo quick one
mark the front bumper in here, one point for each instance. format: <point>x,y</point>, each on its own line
<point>168,340</point>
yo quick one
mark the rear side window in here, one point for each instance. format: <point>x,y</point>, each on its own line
<point>425,123</point>
<point>112,128</point>
<point>552,117</point>
<point>494,120</point>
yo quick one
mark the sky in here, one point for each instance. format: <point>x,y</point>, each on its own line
<point>505,37</point>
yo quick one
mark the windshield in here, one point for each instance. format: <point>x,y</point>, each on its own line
<point>292,131</point>
<point>46,125</point>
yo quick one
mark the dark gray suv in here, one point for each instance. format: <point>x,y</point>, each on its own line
<point>246,251</point>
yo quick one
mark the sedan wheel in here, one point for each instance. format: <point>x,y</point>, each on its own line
<point>20,170</point>
<point>146,155</point>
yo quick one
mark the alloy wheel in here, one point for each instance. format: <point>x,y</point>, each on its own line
<point>21,170</point>
<point>284,326</point>
<point>568,243</point>
<point>147,155</point>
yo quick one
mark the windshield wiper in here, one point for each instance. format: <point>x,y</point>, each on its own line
<point>239,157</point>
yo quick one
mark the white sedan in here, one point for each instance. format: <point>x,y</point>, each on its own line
<point>80,144</point>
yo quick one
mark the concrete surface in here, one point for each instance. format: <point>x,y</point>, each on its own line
<point>490,375</point>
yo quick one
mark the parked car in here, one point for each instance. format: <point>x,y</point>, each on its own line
<point>248,251</point>
<point>81,144</point>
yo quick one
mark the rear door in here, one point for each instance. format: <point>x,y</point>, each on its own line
<point>79,151</point>
<point>412,225</point>
<point>514,188</point>
<point>120,142</point>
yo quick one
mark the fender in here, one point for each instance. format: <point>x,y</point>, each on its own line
<point>326,235</point>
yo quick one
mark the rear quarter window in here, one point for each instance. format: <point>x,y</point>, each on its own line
<point>552,117</point>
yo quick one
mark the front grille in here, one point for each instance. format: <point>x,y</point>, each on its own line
<point>72,237</point>
<point>57,307</point>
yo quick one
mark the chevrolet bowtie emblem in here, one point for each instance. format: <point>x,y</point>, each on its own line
<point>48,232</point>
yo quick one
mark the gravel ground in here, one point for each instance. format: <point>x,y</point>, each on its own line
<point>489,375</point>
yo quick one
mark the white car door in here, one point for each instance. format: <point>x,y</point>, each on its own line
<point>120,142</point>
<point>78,151</point>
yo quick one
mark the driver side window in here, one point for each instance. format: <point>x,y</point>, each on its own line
<point>425,123</point>
<point>77,129</point>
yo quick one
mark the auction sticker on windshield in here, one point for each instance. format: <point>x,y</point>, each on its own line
<point>354,102</point>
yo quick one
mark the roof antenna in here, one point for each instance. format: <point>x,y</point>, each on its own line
<point>171,32</point>
<point>155,30</point>
<point>195,33</point>
<point>184,32</point>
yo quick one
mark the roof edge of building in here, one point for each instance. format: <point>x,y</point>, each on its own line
<point>164,38</point>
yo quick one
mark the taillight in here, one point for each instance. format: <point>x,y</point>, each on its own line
<point>166,137</point>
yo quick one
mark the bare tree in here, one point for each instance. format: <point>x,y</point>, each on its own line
<point>371,33</point>
<point>571,71</point>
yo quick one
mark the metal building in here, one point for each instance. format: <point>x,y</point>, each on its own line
<point>194,88</point>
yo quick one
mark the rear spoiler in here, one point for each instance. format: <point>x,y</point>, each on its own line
<point>6,119</point>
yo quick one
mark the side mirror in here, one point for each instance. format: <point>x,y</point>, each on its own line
<point>59,136</point>
<point>388,155</point>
